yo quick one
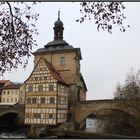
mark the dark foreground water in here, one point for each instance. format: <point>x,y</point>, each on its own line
<point>20,132</point>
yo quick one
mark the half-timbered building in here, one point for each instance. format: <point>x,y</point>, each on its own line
<point>46,96</point>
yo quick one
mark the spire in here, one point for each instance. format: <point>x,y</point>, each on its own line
<point>58,28</point>
<point>59,14</point>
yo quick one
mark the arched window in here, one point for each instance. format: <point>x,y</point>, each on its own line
<point>62,61</point>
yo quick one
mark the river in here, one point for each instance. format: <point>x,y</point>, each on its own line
<point>13,132</point>
<point>21,132</point>
<point>91,125</point>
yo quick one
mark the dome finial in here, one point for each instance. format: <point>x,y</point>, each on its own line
<point>59,14</point>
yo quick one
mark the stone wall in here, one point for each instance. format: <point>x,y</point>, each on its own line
<point>69,70</point>
<point>85,108</point>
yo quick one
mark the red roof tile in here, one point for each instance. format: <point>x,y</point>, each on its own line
<point>4,81</point>
<point>12,86</point>
<point>53,71</point>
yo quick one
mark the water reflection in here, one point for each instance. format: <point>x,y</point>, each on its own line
<point>91,125</point>
<point>18,132</point>
<point>21,132</point>
<point>12,135</point>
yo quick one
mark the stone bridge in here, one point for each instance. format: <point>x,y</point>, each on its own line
<point>14,111</point>
<point>85,108</point>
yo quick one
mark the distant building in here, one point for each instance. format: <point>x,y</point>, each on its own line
<point>2,84</point>
<point>59,63</point>
<point>22,94</point>
<point>10,94</point>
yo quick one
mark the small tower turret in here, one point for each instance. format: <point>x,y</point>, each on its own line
<point>58,28</point>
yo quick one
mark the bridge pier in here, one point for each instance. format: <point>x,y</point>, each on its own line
<point>81,125</point>
<point>39,131</point>
<point>34,132</point>
<point>20,120</point>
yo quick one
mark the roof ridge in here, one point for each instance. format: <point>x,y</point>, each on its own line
<point>54,72</point>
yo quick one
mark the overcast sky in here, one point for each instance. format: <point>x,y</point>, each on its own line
<point>107,58</point>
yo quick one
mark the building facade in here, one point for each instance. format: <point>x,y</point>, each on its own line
<point>10,94</point>
<point>22,94</point>
<point>46,96</point>
<point>3,83</point>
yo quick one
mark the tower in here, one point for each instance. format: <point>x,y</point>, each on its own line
<point>66,60</point>
<point>58,29</point>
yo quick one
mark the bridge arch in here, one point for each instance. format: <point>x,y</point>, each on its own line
<point>11,111</point>
<point>84,109</point>
<point>17,110</point>
<point>129,110</point>
<point>10,119</point>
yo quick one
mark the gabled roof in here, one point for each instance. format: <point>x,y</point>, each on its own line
<point>53,71</point>
<point>12,86</point>
<point>58,48</point>
<point>4,81</point>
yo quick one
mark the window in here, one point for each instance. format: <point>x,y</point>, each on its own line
<point>50,87</point>
<point>27,115</point>
<point>15,99</point>
<point>3,99</point>
<point>62,61</point>
<point>3,92</point>
<point>11,99</point>
<point>34,100</point>
<point>45,77</point>
<point>30,88</point>
<point>59,100</point>
<point>37,115</point>
<point>36,78</point>
<point>28,100</point>
<point>7,99</point>
<point>52,100</point>
<point>40,88</point>
<point>50,116</point>
<point>42,100</point>
<point>8,92</point>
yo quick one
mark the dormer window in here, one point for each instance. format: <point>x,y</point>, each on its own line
<point>62,61</point>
